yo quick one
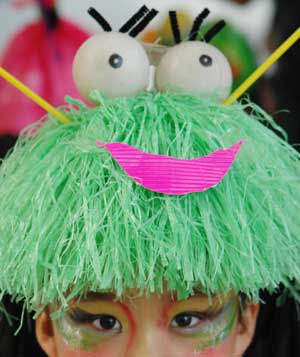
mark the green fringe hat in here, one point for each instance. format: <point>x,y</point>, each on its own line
<point>72,221</point>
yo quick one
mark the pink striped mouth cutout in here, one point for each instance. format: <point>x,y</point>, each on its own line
<point>172,176</point>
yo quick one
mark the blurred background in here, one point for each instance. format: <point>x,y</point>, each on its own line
<point>38,40</point>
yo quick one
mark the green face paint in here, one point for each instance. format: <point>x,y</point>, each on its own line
<point>218,329</point>
<point>206,326</point>
<point>82,331</point>
<point>79,337</point>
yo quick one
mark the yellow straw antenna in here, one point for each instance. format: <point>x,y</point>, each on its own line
<point>263,68</point>
<point>33,96</point>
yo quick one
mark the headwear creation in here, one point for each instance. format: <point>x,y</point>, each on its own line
<point>109,201</point>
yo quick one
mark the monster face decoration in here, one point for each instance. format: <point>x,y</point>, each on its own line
<point>117,65</point>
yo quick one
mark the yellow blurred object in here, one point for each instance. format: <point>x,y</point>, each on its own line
<point>150,36</point>
<point>164,32</point>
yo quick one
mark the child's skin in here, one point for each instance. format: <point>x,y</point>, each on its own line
<point>152,326</point>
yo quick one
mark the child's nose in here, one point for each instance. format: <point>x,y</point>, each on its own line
<point>148,343</point>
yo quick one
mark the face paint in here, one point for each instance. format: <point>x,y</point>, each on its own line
<point>218,329</point>
<point>195,326</point>
<point>212,329</point>
<point>92,324</point>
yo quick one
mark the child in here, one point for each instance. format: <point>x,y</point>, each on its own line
<point>148,224</point>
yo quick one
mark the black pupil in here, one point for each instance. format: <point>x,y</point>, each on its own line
<point>206,60</point>
<point>183,320</point>
<point>116,61</point>
<point>107,322</point>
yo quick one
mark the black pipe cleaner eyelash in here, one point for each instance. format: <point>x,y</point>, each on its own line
<point>100,19</point>
<point>144,23</point>
<point>197,24</point>
<point>141,19</point>
<point>134,19</point>
<point>175,26</point>
<point>136,24</point>
<point>214,31</point>
<point>211,33</point>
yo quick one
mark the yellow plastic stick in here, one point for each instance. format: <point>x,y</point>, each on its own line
<point>263,68</point>
<point>33,96</point>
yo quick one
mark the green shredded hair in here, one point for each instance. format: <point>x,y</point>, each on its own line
<point>73,222</point>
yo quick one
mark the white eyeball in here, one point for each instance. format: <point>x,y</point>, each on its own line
<point>113,63</point>
<point>195,67</point>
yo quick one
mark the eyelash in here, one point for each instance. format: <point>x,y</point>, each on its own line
<point>202,316</point>
<point>81,317</point>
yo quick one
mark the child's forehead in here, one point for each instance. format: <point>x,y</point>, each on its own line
<point>133,297</point>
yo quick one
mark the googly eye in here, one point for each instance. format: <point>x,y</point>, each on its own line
<point>206,61</point>
<point>116,61</point>
<point>195,67</point>
<point>113,63</point>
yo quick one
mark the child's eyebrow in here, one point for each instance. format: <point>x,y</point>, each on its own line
<point>100,296</point>
<point>196,294</point>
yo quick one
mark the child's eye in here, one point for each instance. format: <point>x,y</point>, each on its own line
<point>113,63</point>
<point>101,322</point>
<point>193,322</point>
<point>185,320</point>
<point>195,67</point>
<point>107,323</point>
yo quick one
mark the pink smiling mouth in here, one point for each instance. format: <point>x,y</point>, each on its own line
<point>172,176</point>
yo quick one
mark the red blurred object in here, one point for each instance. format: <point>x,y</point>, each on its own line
<point>21,3</point>
<point>41,56</point>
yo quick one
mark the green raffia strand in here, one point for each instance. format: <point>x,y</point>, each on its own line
<point>5,315</point>
<point>72,221</point>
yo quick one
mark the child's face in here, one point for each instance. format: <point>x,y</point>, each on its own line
<point>153,326</point>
